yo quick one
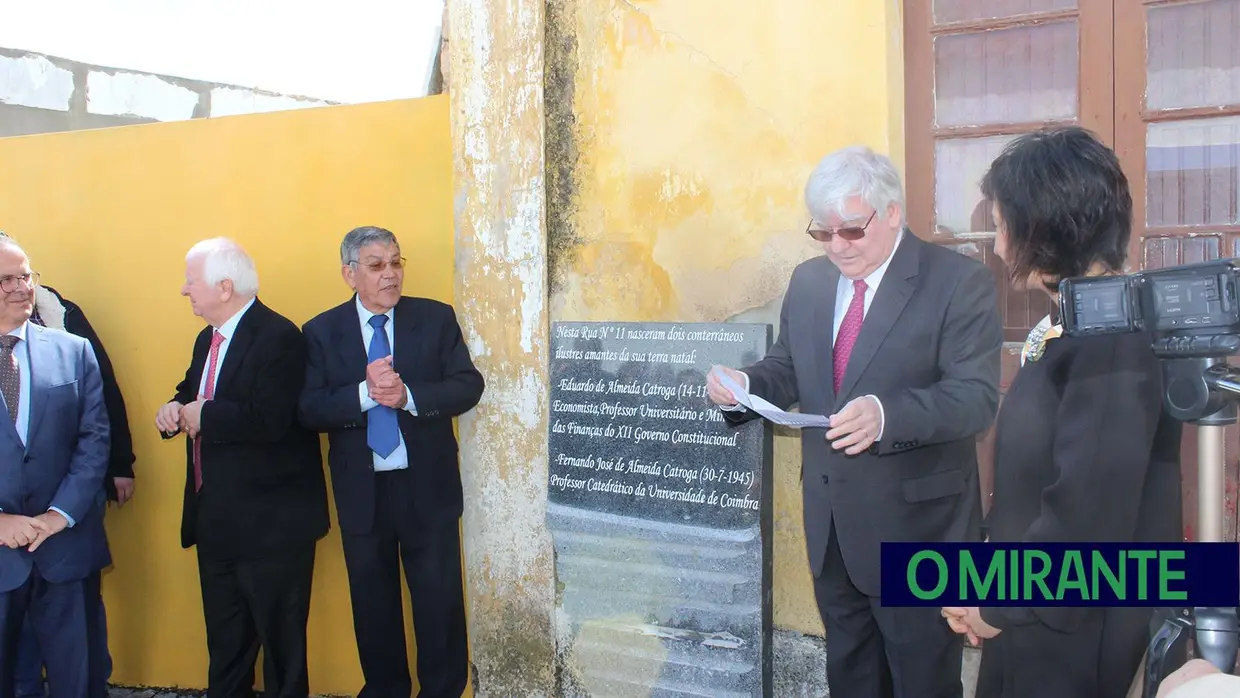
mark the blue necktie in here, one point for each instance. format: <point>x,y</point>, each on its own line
<point>382,431</point>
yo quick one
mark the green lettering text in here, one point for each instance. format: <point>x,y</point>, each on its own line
<point>1073,565</point>
<point>1099,564</point>
<point>1038,577</point>
<point>1166,575</point>
<point>912,575</point>
<point>1142,557</point>
<point>969,575</point>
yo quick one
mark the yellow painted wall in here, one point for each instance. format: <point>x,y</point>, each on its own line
<point>694,126</point>
<point>108,216</point>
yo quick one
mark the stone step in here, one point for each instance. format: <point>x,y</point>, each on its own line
<point>659,580</point>
<point>605,683</point>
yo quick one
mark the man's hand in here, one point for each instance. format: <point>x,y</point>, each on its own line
<point>168,418</point>
<point>124,489</point>
<point>19,531</point>
<point>393,397</point>
<point>380,374</point>
<point>1193,669</point>
<point>51,523</point>
<point>955,621</point>
<point>718,394</point>
<point>191,418</point>
<point>856,426</point>
<point>968,621</point>
<point>384,384</point>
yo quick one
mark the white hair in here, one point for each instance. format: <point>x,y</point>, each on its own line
<point>849,172</point>
<point>224,259</point>
<point>7,241</point>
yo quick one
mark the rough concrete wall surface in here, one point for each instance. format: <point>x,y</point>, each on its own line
<point>45,94</point>
<point>680,134</point>
<point>495,66</point>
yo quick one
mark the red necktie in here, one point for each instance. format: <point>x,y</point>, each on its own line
<point>216,340</point>
<point>849,329</point>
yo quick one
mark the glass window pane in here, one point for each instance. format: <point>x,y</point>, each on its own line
<point>1194,57</point>
<point>1014,75</point>
<point>1174,250</point>
<point>969,10</point>
<point>1193,172</point>
<point>959,164</point>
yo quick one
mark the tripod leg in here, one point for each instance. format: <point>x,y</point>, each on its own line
<point>1168,649</point>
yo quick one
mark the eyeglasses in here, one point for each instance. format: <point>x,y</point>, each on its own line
<point>849,233</point>
<point>379,267</point>
<point>9,284</point>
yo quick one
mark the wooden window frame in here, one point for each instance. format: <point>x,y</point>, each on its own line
<point>1095,96</point>
<point>1132,120</point>
<point>1095,110</point>
<point>1131,29</point>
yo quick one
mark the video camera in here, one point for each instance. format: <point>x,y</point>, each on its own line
<point>1192,313</point>
<point>1193,310</point>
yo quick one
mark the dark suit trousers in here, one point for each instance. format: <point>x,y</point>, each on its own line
<point>877,652</point>
<point>29,668</point>
<point>58,614</point>
<point>432,563</point>
<point>253,602</point>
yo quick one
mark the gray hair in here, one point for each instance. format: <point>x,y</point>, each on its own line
<point>356,239</point>
<point>849,172</point>
<point>225,259</point>
<point>7,240</point>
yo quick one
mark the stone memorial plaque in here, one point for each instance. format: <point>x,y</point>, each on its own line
<point>660,511</point>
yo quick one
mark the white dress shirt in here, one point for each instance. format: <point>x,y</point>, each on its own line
<point>227,330</point>
<point>843,297</point>
<point>399,458</point>
<point>844,290</point>
<point>21,352</point>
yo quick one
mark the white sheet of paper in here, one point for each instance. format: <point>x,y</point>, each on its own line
<point>769,411</point>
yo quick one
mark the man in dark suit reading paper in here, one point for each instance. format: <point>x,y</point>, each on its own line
<point>897,341</point>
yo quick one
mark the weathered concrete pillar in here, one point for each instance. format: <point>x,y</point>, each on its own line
<point>495,81</point>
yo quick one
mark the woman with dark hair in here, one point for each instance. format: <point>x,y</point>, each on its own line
<point>1083,449</point>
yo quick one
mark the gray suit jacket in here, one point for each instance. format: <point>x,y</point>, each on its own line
<point>63,462</point>
<point>929,349</point>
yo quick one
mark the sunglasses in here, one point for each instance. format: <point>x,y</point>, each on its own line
<point>849,233</point>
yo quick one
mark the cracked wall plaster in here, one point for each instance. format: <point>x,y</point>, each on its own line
<point>495,64</point>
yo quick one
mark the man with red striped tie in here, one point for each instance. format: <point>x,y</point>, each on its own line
<point>897,341</point>
<point>255,493</point>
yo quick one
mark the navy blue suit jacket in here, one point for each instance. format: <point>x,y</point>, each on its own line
<point>431,357</point>
<point>63,462</point>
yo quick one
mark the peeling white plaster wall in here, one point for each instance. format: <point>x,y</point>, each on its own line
<point>33,81</point>
<point>134,94</point>
<point>346,51</point>
<point>44,82</point>
<point>495,56</point>
<point>510,239</point>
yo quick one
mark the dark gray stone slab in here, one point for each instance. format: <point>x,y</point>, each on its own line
<point>660,512</point>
